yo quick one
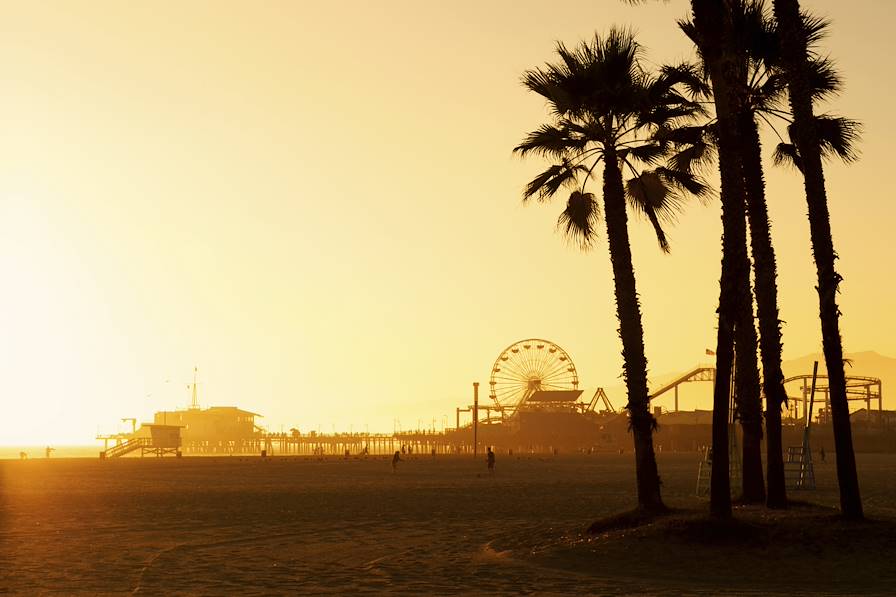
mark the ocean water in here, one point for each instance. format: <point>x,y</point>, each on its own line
<point>80,451</point>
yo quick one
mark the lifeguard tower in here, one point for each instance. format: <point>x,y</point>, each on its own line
<point>151,438</point>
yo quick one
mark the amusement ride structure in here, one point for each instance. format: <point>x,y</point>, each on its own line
<point>531,374</point>
<point>534,404</point>
<point>858,388</point>
<point>533,378</point>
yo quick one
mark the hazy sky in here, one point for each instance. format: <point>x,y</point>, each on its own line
<point>316,203</point>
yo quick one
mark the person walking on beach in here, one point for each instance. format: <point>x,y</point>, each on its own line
<point>490,459</point>
<point>396,458</point>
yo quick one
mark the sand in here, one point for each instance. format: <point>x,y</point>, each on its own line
<point>439,526</point>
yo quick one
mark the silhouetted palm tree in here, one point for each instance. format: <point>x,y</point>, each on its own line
<point>725,65</point>
<point>607,109</point>
<point>752,34</point>
<point>753,31</point>
<point>805,133</point>
<point>756,33</point>
<point>837,136</point>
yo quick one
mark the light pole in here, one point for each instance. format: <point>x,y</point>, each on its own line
<point>475,418</point>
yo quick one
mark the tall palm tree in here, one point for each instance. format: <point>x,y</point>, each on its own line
<point>714,24</point>
<point>606,110</point>
<point>752,33</point>
<point>756,33</point>
<point>837,136</point>
<point>795,60</point>
<point>713,20</point>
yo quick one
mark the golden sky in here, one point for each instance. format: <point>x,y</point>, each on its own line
<point>316,203</point>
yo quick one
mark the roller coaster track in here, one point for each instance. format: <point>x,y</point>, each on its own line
<point>697,374</point>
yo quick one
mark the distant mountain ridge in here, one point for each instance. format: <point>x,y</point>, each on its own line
<point>868,363</point>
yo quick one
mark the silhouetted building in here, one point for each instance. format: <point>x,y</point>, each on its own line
<point>878,418</point>
<point>214,429</point>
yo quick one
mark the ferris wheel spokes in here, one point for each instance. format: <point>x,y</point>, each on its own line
<point>526,367</point>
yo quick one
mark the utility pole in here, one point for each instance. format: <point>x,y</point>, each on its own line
<point>194,403</point>
<point>475,418</point>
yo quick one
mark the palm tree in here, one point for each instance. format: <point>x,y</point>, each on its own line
<point>837,136</point>
<point>752,33</point>
<point>607,109</point>
<point>805,133</point>
<point>757,36</point>
<point>714,23</point>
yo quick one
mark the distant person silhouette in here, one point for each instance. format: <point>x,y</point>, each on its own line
<point>822,453</point>
<point>396,458</point>
<point>490,459</point>
<point>49,449</point>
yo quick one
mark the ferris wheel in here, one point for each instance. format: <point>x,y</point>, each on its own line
<point>526,367</point>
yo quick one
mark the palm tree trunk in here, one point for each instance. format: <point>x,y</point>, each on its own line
<point>765,271</point>
<point>713,22</point>
<point>748,403</point>
<point>787,13</point>
<point>628,310</point>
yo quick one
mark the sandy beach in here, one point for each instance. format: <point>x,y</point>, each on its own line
<point>286,525</point>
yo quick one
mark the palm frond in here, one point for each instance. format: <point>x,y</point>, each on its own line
<point>815,27</point>
<point>650,195</point>
<point>551,141</point>
<point>690,31</point>
<point>769,94</point>
<point>685,181</point>
<point>691,77</point>
<point>824,80</point>
<point>785,154</point>
<point>647,153</point>
<point>544,83</point>
<point>757,32</point>
<point>676,109</point>
<point>546,184</point>
<point>682,134</point>
<point>838,136</point>
<point>691,158</point>
<point>695,146</point>
<point>580,219</point>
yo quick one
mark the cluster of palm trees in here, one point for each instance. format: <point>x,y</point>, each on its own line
<point>654,135</point>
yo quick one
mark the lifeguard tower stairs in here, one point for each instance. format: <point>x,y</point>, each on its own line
<point>704,471</point>
<point>161,440</point>
<point>799,471</point>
